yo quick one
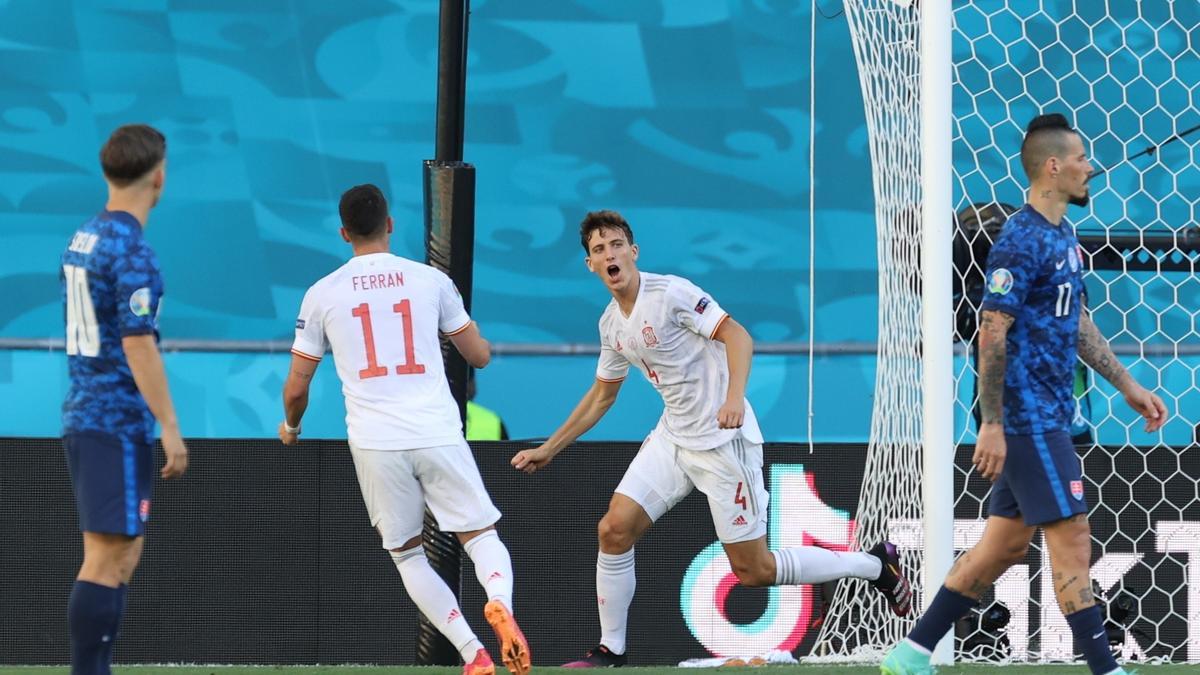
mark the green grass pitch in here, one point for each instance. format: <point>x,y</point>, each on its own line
<point>660,670</point>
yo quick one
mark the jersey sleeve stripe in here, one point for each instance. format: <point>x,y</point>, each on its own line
<point>1014,312</point>
<point>464,327</point>
<point>605,379</point>
<point>717,327</point>
<point>302,355</point>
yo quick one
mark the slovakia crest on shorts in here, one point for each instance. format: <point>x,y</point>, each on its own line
<point>1077,489</point>
<point>144,510</point>
<point>649,336</point>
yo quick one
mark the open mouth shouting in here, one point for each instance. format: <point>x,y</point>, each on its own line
<point>614,271</point>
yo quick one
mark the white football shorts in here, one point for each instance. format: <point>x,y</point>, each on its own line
<point>730,476</point>
<point>397,485</point>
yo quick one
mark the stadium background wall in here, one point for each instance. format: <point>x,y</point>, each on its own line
<point>264,555</point>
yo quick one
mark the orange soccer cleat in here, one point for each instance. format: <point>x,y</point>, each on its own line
<point>482,665</point>
<point>514,649</point>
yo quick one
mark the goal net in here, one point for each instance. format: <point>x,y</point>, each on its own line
<point>1127,75</point>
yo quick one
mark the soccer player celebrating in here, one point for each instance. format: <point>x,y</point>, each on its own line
<point>698,359</point>
<point>1031,330</point>
<point>111,291</point>
<point>381,314</point>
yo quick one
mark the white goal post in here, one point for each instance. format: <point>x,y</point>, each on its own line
<point>947,91</point>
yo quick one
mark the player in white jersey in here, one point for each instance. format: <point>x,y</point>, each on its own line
<point>698,359</point>
<point>380,314</point>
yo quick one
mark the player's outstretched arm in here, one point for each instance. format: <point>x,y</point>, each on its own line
<point>295,397</point>
<point>739,351</point>
<point>471,344</point>
<point>145,362</point>
<point>990,445</point>
<point>1095,351</point>
<point>591,408</point>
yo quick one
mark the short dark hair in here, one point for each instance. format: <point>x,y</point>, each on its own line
<point>1045,137</point>
<point>364,211</point>
<point>602,220</point>
<point>131,152</point>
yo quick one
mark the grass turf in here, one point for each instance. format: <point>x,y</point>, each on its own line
<point>646,670</point>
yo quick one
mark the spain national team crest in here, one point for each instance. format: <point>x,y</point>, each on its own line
<point>649,336</point>
<point>1077,489</point>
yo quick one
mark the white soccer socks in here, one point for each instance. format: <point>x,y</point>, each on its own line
<point>493,566</point>
<point>615,583</point>
<point>814,565</point>
<point>433,597</point>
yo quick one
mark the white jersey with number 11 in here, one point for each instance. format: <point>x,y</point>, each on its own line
<point>381,314</point>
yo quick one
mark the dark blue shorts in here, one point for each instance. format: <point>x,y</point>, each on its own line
<point>1042,480</point>
<point>112,479</point>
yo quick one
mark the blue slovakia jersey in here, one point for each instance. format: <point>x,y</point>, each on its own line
<point>111,288</point>
<point>1035,275</point>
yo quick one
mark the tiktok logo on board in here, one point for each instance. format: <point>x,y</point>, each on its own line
<point>798,517</point>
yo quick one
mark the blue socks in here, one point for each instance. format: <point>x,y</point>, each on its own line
<point>946,608</point>
<point>1087,625</point>
<point>93,615</point>
<point>106,658</point>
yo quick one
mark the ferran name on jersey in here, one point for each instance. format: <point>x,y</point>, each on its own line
<point>370,282</point>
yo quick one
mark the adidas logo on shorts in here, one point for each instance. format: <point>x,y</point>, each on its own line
<point>740,520</point>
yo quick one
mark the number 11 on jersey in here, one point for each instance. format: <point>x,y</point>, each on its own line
<point>373,369</point>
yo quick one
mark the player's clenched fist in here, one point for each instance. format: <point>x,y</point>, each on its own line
<point>532,460</point>
<point>731,414</point>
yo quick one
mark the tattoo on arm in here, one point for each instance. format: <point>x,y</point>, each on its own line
<point>1086,597</point>
<point>993,355</point>
<point>1094,351</point>
<point>1063,588</point>
<point>1070,607</point>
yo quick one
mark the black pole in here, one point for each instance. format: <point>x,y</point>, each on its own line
<point>449,247</point>
<point>452,80</point>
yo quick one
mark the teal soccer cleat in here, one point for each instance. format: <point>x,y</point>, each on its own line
<point>904,659</point>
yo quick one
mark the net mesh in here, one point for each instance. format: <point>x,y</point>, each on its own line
<point>1127,75</point>
<point>886,47</point>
